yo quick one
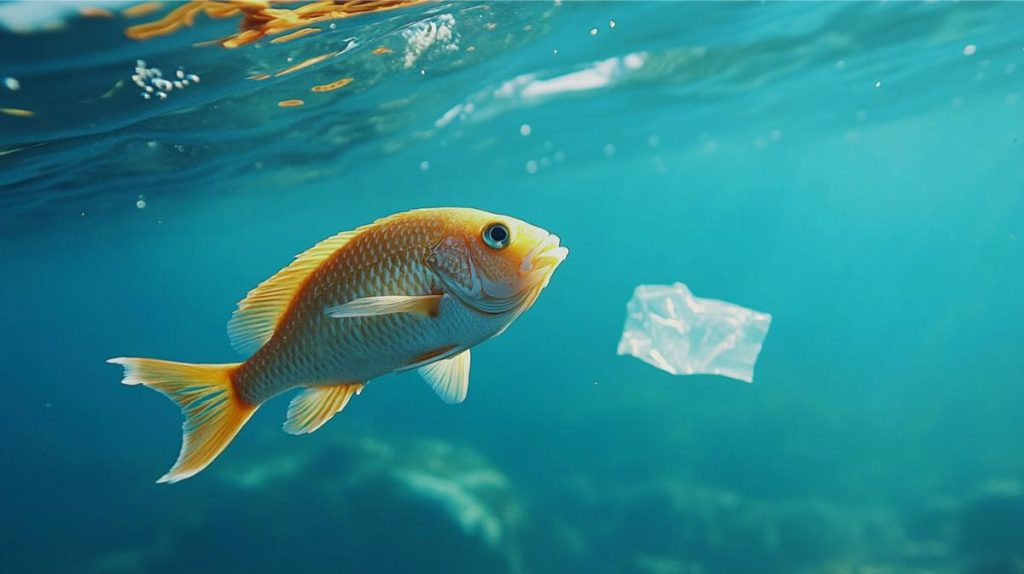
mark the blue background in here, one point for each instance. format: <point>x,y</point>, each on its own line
<point>846,167</point>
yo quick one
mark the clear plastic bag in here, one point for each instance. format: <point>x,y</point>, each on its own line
<point>671,329</point>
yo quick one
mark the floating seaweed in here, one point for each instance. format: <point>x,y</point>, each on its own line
<point>94,12</point>
<point>332,86</point>
<point>305,64</point>
<point>140,10</point>
<point>295,35</point>
<point>260,18</point>
<point>17,112</point>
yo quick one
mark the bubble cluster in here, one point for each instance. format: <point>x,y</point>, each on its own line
<point>154,84</point>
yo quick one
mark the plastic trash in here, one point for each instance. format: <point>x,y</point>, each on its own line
<point>670,328</point>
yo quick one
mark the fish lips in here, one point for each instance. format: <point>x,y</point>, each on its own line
<point>541,261</point>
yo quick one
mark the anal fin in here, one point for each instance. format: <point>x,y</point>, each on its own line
<point>315,405</point>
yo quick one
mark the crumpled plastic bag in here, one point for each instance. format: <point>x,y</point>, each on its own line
<point>670,328</point>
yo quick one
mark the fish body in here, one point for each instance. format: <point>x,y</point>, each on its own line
<point>415,290</point>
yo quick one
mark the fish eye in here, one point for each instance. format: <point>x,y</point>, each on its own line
<point>497,236</point>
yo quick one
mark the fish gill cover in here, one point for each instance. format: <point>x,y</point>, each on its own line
<point>855,169</point>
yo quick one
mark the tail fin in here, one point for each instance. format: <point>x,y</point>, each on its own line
<point>213,412</point>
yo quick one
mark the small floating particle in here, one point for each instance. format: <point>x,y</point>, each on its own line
<point>878,84</point>
<point>424,165</point>
<point>93,12</point>
<point>141,9</point>
<point>17,112</point>
<point>525,129</point>
<point>970,49</point>
<point>290,103</point>
<point>332,86</point>
<point>381,50</point>
<point>554,51</point>
<point>593,31</point>
<point>490,26</point>
<point>295,35</point>
<point>532,167</point>
<point>12,83</point>
<point>609,150</point>
<point>611,23</point>
<point>259,77</point>
<point>141,202</point>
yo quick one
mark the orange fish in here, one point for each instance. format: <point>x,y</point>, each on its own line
<point>414,290</point>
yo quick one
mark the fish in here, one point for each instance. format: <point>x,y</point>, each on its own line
<point>414,290</point>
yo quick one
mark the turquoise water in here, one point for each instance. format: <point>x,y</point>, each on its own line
<point>855,169</point>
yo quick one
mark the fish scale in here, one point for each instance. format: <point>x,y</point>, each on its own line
<point>387,262</point>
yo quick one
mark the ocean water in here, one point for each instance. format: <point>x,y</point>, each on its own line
<point>854,169</point>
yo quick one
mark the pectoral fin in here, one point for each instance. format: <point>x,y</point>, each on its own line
<point>449,377</point>
<point>314,406</point>
<point>385,305</point>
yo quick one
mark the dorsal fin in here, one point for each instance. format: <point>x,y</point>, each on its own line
<point>257,316</point>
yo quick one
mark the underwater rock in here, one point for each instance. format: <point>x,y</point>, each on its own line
<point>670,328</point>
<point>991,528</point>
<point>412,506</point>
<point>684,527</point>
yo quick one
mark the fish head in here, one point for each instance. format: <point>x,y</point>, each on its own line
<point>494,263</point>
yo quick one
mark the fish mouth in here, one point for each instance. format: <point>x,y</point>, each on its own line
<point>541,261</point>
